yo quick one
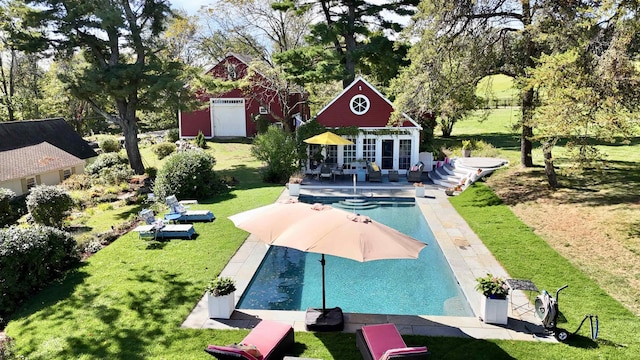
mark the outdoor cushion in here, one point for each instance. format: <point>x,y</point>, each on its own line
<point>229,352</point>
<point>383,341</point>
<point>270,338</point>
<point>375,166</point>
<point>414,168</point>
<point>396,353</point>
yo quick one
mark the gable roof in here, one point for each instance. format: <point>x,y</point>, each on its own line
<point>33,160</point>
<point>57,132</point>
<point>359,80</point>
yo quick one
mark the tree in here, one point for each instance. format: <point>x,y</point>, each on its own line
<point>254,28</point>
<point>586,96</point>
<point>57,100</point>
<point>278,150</point>
<point>263,32</point>
<point>506,28</point>
<point>440,81</point>
<point>347,28</point>
<point>120,42</point>
<point>20,74</point>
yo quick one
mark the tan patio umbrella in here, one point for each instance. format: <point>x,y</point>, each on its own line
<point>328,138</point>
<point>326,230</point>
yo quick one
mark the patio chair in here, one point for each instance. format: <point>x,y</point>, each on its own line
<point>325,172</point>
<point>156,228</point>
<point>271,339</point>
<point>383,342</point>
<point>176,207</point>
<point>374,172</point>
<point>414,174</point>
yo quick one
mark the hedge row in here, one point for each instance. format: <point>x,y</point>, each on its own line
<point>29,259</point>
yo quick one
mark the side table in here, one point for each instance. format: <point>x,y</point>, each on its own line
<point>524,285</point>
<point>172,217</point>
<point>393,175</point>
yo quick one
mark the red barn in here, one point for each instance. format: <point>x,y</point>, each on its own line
<point>361,105</point>
<point>231,114</point>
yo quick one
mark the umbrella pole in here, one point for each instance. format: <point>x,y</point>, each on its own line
<point>324,308</point>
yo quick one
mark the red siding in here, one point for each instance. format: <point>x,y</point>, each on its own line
<point>201,120</point>
<point>339,113</point>
<point>193,122</point>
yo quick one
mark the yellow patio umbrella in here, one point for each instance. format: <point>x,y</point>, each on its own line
<point>328,138</point>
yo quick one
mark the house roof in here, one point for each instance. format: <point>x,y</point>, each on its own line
<point>350,90</point>
<point>33,160</point>
<point>57,132</point>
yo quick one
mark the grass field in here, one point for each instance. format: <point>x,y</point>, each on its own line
<point>128,300</point>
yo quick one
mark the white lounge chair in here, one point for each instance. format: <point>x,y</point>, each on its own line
<point>155,228</point>
<point>178,208</point>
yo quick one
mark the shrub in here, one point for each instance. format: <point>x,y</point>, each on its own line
<point>109,145</point>
<point>188,174</point>
<point>262,124</point>
<point>221,286</point>
<point>200,141</point>
<point>109,168</point>
<point>104,161</point>
<point>49,205</point>
<point>163,150</point>
<point>278,150</point>
<point>172,135</point>
<point>152,172</point>
<point>29,259</point>
<point>77,182</point>
<point>6,212</point>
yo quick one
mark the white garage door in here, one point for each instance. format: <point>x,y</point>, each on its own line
<point>228,117</point>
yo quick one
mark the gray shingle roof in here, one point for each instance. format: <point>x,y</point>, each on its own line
<point>35,159</point>
<point>57,132</point>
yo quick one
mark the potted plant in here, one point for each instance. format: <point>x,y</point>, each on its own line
<point>494,305</point>
<point>221,297</point>
<point>419,189</point>
<point>466,148</point>
<point>294,184</point>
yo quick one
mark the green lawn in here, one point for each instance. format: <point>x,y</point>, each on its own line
<point>128,300</point>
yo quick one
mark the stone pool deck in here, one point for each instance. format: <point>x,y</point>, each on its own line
<point>466,254</point>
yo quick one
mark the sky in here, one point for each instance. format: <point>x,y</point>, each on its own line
<point>190,6</point>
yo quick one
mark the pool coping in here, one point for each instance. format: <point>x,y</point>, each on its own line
<point>465,252</point>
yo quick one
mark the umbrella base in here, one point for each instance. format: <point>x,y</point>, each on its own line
<point>333,320</point>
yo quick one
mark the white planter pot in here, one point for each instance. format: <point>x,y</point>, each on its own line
<point>419,191</point>
<point>294,189</point>
<point>220,307</point>
<point>494,311</point>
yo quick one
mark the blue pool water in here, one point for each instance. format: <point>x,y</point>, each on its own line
<point>289,279</point>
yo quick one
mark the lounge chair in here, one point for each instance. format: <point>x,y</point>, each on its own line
<point>325,172</point>
<point>155,228</point>
<point>414,174</point>
<point>178,208</point>
<point>271,338</point>
<point>383,342</point>
<point>374,172</point>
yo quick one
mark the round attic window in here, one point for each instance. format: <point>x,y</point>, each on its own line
<point>359,104</point>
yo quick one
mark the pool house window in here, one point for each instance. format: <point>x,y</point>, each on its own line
<point>369,149</point>
<point>404,160</point>
<point>331,154</point>
<point>349,151</point>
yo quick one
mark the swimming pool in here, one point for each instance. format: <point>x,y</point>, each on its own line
<point>289,279</point>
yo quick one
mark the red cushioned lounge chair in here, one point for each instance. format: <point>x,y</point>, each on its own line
<point>383,342</point>
<point>271,338</point>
